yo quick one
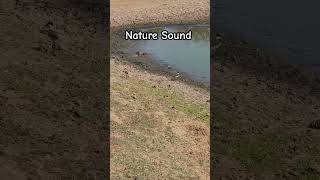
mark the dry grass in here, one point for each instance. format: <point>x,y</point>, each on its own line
<point>155,131</point>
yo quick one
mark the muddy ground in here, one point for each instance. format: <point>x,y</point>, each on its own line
<point>52,95</point>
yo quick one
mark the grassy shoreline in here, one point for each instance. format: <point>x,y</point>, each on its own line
<point>156,115</point>
<point>159,123</point>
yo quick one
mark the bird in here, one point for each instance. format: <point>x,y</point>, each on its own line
<point>177,75</point>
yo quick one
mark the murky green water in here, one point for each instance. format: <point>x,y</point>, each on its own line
<point>192,57</point>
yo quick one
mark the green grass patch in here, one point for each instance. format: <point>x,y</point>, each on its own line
<point>177,101</point>
<point>151,97</point>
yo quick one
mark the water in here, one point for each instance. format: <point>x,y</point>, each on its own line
<point>192,57</point>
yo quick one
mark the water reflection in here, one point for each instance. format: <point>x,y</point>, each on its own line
<point>189,56</point>
<point>198,33</point>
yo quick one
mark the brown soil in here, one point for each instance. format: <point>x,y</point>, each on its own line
<point>264,116</point>
<point>136,12</point>
<point>52,116</point>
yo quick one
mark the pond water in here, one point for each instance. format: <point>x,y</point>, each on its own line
<point>191,57</point>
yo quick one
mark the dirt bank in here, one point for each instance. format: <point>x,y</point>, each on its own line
<point>137,12</point>
<point>159,124</point>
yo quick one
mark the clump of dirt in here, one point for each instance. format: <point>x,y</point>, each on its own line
<point>315,124</point>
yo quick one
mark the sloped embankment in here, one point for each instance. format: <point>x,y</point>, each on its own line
<point>159,127</point>
<point>159,124</point>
